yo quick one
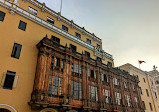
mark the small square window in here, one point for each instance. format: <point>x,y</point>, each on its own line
<point>78,35</point>
<point>2,15</point>
<point>32,10</point>
<point>87,54</point>
<point>22,25</point>
<point>50,20</point>
<point>65,28</point>
<point>98,46</point>
<point>109,64</point>
<point>73,48</point>
<point>88,41</point>
<point>99,59</point>
<point>16,50</point>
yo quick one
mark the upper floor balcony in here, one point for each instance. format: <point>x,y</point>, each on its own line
<point>72,80</point>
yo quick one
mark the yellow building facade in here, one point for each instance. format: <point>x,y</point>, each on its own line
<point>155,75</point>
<point>24,23</point>
<point>148,86</point>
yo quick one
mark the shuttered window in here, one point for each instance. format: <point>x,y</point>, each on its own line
<point>89,73</point>
<point>116,81</point>
<point>16,50</point>
<point>87,54</point>
<point>89,41</point>
<point>118,98</point>
<point>50,20</point>
<point>73,48</point>
<point>127,97</point>
<point>32,10</point>
<point>93,93</point>
<point>22,25</point>
<point>78,35</point>
<point>106,94</point>
<point>2,16</point>
<point>106,78</point>
<point>9,80</point>
<point>64,28</point>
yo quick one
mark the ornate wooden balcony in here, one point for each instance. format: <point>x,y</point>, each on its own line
<point>60,87</point>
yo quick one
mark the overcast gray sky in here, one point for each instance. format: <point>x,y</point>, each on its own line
<point>128,28</point>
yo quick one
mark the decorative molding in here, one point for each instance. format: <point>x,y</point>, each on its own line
<point>12,10</point>
<point>24,0</point>
<point>16,2</point>
<point>59,17</point>
<point>53,13</point>
<point>104,55</point>
<point>43,7</point>
<point>16,9</point>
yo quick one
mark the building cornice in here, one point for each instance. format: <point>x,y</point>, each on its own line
<point>65,20</point>
<point>131,67</point>
<point>18,10</point>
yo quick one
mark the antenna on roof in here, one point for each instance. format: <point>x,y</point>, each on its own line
<point>61,7</point>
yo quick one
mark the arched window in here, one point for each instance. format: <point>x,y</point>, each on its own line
<point>4,110</point>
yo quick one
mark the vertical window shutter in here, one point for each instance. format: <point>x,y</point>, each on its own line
<point>80,91</point>
<point>71,88</point>
<point>18,51</point>
<point>14,50</point>
<point>15,81</point>
<point>50,85</point>
<point>72,67</point>
<point>118,82</point>
<point>106,91</point>
<point>103,93</point>
<point>89,92</point>
<point>80,70</point>
<point>55,61</point>
<point>3,79</point>
<point>20,24</point>
<point>88,72</point>
<point>102,77</point>
<point>60,88</point>
<point>95,75</point>
<point>61,63</point>
<point>114,80</point>
<point>96,94</point>
<point>24,26</point>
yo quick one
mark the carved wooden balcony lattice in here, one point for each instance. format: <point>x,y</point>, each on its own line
<point>41,99</point>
